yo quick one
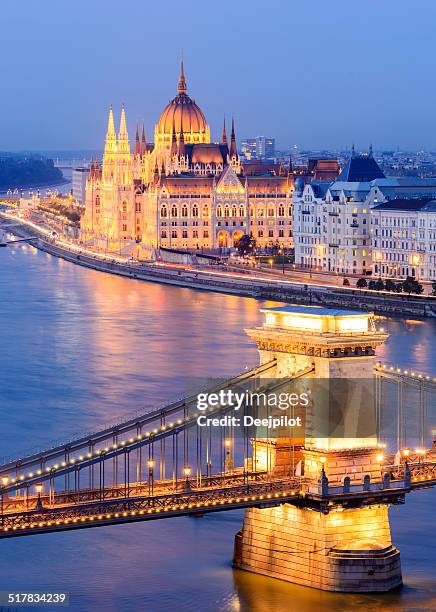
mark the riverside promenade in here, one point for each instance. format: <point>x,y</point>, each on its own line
<point>249,283</point>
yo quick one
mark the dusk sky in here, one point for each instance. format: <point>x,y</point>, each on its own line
<point>315,73</point>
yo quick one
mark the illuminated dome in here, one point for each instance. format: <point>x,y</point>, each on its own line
<point>183,115</point>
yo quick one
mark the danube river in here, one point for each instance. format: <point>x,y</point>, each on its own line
<point>80,348</point>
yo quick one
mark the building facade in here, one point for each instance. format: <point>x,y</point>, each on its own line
<point>332,221</point>
<point>364,223</point>
<point>181,191</point>
<point>404,238</point>
<point>79,180</point>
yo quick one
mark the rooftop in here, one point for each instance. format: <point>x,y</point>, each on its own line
<point>361,169</point>
<point>408,204</point>
<point>316,311</point>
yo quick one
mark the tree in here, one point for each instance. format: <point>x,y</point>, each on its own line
<point>371,285</point>
<point>362,283</point>
<point>246,244</point>
<point>390,285</point>
<point>379,285</point>
<point>346,282</point>
<point>411,285</point>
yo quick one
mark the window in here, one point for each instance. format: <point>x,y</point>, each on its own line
<point>281,211</point>
<point>226,211</point>
<point>173,233</point>
<point>164,233</point>
<point>138,206</point>
<point>219,211</point>
<point>174,211</point>
<point>185,234</point>
<point>206,234</point>
<point>234,211</point>
<point>184,210</point>
<point>241,211</point>
<point>195,210</point>
<point>163,211</point>
<point>205,211</point>
<point>124,227</point>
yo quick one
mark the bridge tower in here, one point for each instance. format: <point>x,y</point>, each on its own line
<point>343,547</point>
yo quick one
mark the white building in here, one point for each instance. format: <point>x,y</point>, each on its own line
<point>307,215</point>
<point>80,176</point>
<point>331,225</point>
<point>404,238</point>
<point>334,230</point>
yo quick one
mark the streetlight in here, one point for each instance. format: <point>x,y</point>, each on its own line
<point>187,473</point>
<point>38,489</point>
<point>150,464</point>
<point>282,249</point>
<point>5,480</point>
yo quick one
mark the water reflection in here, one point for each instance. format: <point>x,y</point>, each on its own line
<point>80,348</point>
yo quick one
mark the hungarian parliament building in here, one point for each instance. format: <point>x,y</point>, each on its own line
<point>182,191</point>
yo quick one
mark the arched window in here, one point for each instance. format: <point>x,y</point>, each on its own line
<point>184,210</point>
<point>174,211</point>
<point>270,212</point>
<point>260,212</point>
<point>281,211</point>
<point>124,207</point>
<point>174,234</point>
<point>97,201</point>
<point>219,211</point>
<point>164,234</point>
<point>195,210</point>
<point>234,211</point>
<point>251,212</point>
<point>163,211</point>
<point>226,211</point>
<point>205,211</point>
<point>241,211</point>
<point>290,211</point>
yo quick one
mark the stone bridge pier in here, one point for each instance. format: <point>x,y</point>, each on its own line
<point>335,547</point>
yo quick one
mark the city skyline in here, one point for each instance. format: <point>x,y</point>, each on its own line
<point>65,70</point>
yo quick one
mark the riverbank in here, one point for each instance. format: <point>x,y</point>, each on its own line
<point>238,283</point>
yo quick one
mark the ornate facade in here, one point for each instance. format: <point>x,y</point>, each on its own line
<point>182,191</point>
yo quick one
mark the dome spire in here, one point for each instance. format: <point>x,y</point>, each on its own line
<point>122,134</point>
<point>143,142</point>
<point>137,145</point>
<point>182,88</point>
<point>233,151</point>
<point>224,134</point>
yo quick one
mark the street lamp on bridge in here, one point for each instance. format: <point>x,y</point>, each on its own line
<point>187,473</point>
<point>150,464</point>
<point>38,489</point>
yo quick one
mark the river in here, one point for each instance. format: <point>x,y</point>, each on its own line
<point>78,349</point>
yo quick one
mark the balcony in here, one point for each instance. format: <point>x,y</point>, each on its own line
<point>333,213</point>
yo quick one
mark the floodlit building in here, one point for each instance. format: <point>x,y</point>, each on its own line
<point>182,190</point>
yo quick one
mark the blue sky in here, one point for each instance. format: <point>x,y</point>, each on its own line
<point>313,73</point>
